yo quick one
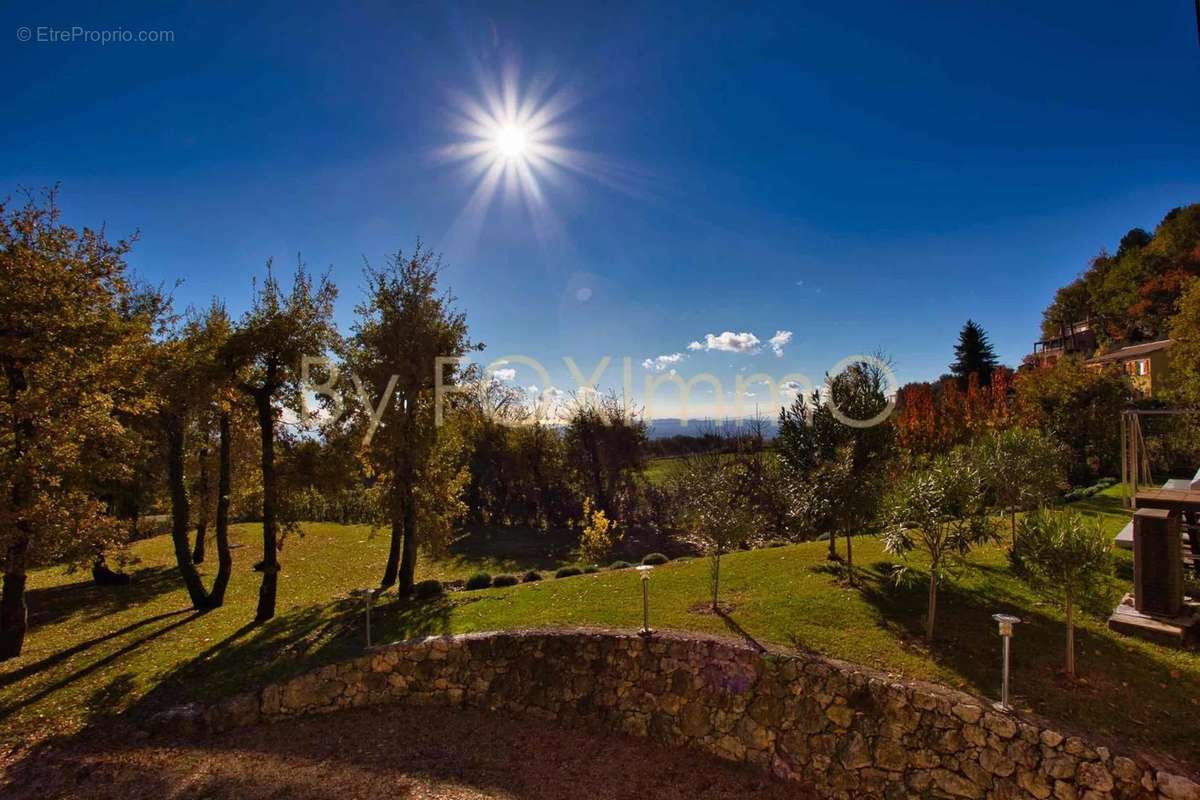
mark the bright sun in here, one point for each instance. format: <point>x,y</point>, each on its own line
<point>510,141</point>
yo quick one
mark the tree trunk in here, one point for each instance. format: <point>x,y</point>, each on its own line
<point>202,509</point>
<point>224,558</point>
<point>833,553</point>
<point>931,617</point>
<point>392,568</point>
<point>270,562</point>
<point>597,473</point>
<point>1012,515</point>
<point>408,562</point>
<point>1070,636</point>
<point>849,559</point>
<point>180,511</point>
<point>714,573</point>
<point>401,494</point>
<point>14,616</point>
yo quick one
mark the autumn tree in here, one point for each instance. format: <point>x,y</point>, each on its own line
<point>406,329</point>
<point>973,355</point>
<point>1184,386</point>
<point>1131,295</point>
<point>1080,407</point>
<point>193,381</point>
<point>72,328</point>
<point>265,349</point>
<point>941,511</point>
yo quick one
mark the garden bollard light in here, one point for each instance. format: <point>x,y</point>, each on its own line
<point>1006,622</point>
<point>368,595</point>
<point>645,570</point>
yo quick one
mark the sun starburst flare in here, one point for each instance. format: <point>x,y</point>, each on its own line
<point>513,144</point>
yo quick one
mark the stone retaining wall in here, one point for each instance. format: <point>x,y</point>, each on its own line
<point>840,730</point>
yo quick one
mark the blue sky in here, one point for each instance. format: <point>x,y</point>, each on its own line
<point>866,176</point>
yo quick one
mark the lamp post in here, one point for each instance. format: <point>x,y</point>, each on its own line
<point>368,596</point>
<point>645,570</point>
<point>1006,622</point>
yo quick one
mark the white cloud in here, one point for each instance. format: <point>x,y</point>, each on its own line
<point>659,363</point>
<point>728,342</point>
<point>506,374</point>
<point>779,340</point>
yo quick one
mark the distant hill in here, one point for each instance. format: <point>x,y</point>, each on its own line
<point>664,427</point>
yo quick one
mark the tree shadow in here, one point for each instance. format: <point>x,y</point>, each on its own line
<point>517,548</point>
<point>741,632</point>
<point>111,658</point>
<point>291,644</point>
<point>50,661</point>
<point>85,599</point>
<point>1112,669</point>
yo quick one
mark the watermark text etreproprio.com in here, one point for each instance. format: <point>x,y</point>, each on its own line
<point>77,34</point>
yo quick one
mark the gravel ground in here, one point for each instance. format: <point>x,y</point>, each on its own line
<point>392,752</point>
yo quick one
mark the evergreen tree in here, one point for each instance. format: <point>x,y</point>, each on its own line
<point>973,354</point>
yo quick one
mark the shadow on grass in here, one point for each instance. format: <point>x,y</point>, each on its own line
<point>518,549</point>
<point>733,626</point>
<point>84,598</point>
<point>112,657</point>
<point>290,644</point>
<point>9,678</point>
<point>1112,668</point>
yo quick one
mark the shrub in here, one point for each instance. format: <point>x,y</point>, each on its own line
<point>531,576</point>
<point>568,572</point>
<point>480,580</point>
<point>620,565</point>
<point>655,559</point>
<point>777,543</point>
<point>590,569</point>
<point>1104,483</point>
<point>505,580</point>
<point>423,590</point>
<point>598,535</point>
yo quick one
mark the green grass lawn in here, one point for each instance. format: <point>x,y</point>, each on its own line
<point>93,651</point>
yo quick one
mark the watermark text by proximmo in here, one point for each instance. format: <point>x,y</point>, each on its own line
<point>549,404</point>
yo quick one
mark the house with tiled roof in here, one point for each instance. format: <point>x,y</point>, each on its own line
<point>1146,364</point>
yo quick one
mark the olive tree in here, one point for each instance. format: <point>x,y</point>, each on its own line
<point>942,512</point>
<point>717,507</point>
<point>836,469</point>
<point>266,349</point>
<point>1022,468</point>
<point>1069,557</point>
<point>192,385</point>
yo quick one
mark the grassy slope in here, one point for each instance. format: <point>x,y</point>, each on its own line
<point>95,649</point>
